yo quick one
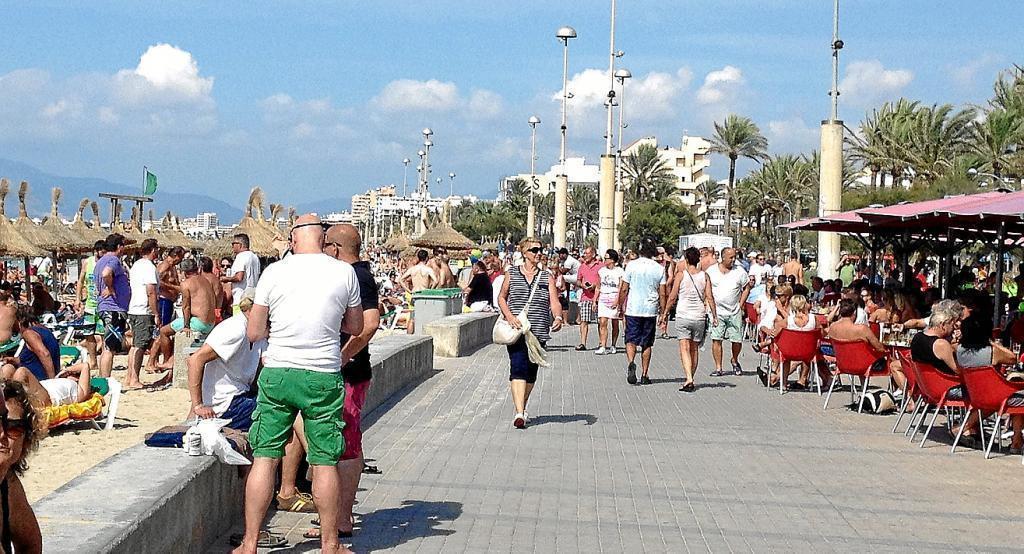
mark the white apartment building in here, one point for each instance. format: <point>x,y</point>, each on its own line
<point>689,163</point>
<point>207,220</point>
<point>578,172</point>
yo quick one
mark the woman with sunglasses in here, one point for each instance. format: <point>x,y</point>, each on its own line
<point>515,296</point>
<point>608,302</point>
<point>20,433</point>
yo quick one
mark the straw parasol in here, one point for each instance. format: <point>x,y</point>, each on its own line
<point>12,242</point>
<point>396,242</point>
<point>261,237</point>
<point>73,242</point>
<point>45,239</point>
<point>81,229</point>
<point>97,223</point>
<point>172,233</point>
<point>443,235</point>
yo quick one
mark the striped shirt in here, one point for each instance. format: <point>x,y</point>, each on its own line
<point>539,313</point>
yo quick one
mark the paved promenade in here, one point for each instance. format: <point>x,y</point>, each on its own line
<point>605,466</point>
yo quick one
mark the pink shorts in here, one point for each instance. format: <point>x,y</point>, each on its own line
<point>355,397</point>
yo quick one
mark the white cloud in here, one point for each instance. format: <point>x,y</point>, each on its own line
<point>657,92</point>
<point>412,95</point>
<point>966,74</point>
<point>485,104</point>
<point>867,82</point>
<point>721,86</point>
<point>792,135</point>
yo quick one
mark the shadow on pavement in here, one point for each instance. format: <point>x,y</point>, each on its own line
<point>588,419</point>
<point>416,519</point>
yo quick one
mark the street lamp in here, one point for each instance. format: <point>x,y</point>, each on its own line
<point>620,194</point>
<point>405,180</point>
<point>451,184</point>
<point>563,34</point>
<point>531,211</point>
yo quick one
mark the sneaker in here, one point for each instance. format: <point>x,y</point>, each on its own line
<point>526,416</point>
<point>631,373</point>
<point>612,350</point>
<point>601,351</point>
<point>299,502</point>
<point>736,369</point>
<point>645,380</point>
<point>519,422</point>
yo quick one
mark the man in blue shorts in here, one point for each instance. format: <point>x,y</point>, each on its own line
<point>640,296</point>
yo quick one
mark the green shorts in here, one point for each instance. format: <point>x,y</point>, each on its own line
<point>285,392</point>
<point>729,328</point>
<point>196,324</point>
<point>97,323</point>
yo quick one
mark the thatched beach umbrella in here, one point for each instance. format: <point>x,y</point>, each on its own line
<point>443,235</point>
<point>45,239</point>
<point>12,242</point>
<point>260,236</point>
<point>97,223</point>
<point>172,233</point>
<point>83,230</point>
<point>396,242</point>
<point>73,242</point>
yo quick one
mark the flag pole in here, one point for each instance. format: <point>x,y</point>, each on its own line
<point>145,170</point>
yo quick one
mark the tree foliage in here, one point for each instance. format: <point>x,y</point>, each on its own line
<point>662,220</point>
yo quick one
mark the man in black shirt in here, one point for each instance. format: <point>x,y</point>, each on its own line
<point>343,242</point>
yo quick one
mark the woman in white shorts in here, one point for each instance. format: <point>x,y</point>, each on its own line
<point>608,302</point>
<point>694,299</point>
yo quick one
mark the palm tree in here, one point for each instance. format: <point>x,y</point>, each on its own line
<point>938,136</point>
<point>517,195</point>
<point>995,138</point>
<point>707,193</point>
<point>583,211</point>
<point>648,176</point>
<point>737,137</point>
<point>545,216</point>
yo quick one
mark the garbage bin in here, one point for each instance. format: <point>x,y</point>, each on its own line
<point>433,304</point>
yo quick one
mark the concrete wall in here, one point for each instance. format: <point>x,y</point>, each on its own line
<point>461,335</point>
<point>160,500</point>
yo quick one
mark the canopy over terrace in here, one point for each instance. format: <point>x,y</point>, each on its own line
<point>945,225</point>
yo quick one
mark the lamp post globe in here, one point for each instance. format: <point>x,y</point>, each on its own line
<point>427,132</point>
<point>534,121</point>
<point>565,33</point>
<point>622,74</point>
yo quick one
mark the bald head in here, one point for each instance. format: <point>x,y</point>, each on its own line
<point>307,235</point>
<point>346,238</point>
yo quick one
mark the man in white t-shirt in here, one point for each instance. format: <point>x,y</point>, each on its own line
<point>640,295</point>
<point>245,270</point>
<point>302,305</point>
<point>758,269</point>
<point>143,315</point>
<point>730,287</point>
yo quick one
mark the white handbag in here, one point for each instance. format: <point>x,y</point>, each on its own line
<point>504,332</point>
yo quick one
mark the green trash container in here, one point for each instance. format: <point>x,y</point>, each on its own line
<point>433,304</point>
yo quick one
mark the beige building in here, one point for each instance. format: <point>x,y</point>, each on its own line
<point>689,163</point>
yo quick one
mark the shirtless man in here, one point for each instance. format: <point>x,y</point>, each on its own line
<point>419,276</point>
<point>198,301</point>
<point>439,263</point>
<point>8,319</point>
<point>793,267</point>
<point>847,329</point>
<point>167,294</point>
<point>206,272</point>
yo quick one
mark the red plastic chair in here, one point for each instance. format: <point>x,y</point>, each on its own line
<point>1017,331</point>
<point>876,328</point>
<point>794,346</point>
<point>934,387</point>
<point>910,392</point>
<point>830,298</point>
<point>750,327</point>
<point>855,358</point>
<point>989,392</point>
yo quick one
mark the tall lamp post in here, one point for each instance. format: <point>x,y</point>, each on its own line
<point>563,34</point>
<point>419,190</point>
<point>451,184</point>
<point>427,143</point>
<point>531,211</point>
<point>606,192</point>
<point>831,169</point>
<point>620,192</point>
<point>405,192</point>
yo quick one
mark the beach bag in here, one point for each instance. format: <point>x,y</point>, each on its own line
<point>504,332</point>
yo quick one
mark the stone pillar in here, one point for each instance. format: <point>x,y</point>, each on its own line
<point>829,194</point>
<point>620,206</point>
<point>531,220</point>
<point>561,209</point>
<point>606,201</point>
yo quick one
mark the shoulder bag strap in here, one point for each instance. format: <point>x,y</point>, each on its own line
<point>700,293</point>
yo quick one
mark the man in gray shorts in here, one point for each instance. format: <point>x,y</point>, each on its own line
<point>730,288</point>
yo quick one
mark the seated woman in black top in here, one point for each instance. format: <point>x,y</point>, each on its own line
<point>932,346</point>
<point>479,293</point>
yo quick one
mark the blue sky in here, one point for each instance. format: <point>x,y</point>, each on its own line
<point>323,99</point>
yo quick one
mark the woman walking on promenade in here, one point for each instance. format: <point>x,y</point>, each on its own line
<point>531,289</point>
<point>608,302</point>
<point>692,289</point>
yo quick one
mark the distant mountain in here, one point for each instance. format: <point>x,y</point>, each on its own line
<point>75,188</point>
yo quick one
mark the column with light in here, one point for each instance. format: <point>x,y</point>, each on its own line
<point>427,143</point>
<point>831,169</point>
<point>606,190</point>
<point>531,211</point>
<point>620,191</point>
<point>562,179</point>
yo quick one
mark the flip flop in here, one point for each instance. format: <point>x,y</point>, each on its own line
<point>158,388</point>
<point>265,539</point>
<point>371,470</point>
<point>314,533</point>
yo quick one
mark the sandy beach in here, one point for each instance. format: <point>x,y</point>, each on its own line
<point>71,450</point>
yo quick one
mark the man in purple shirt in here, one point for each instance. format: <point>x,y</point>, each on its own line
<point>113,292</point>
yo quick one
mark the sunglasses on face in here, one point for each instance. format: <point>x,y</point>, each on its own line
<point>14,428</point>
<point>534,250</point>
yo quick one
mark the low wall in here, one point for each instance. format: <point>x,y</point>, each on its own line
<point>461,335</point>
<point>159,500</point>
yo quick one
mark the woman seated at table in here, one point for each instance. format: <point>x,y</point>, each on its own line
<point>774,316</point>
<point>933,347</point>
<point>896,308</point>
<point>799,319</point>
<point>867,297</point>
<point>977,349</point>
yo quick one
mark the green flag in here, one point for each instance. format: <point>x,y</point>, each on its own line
<point>150,183</point>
